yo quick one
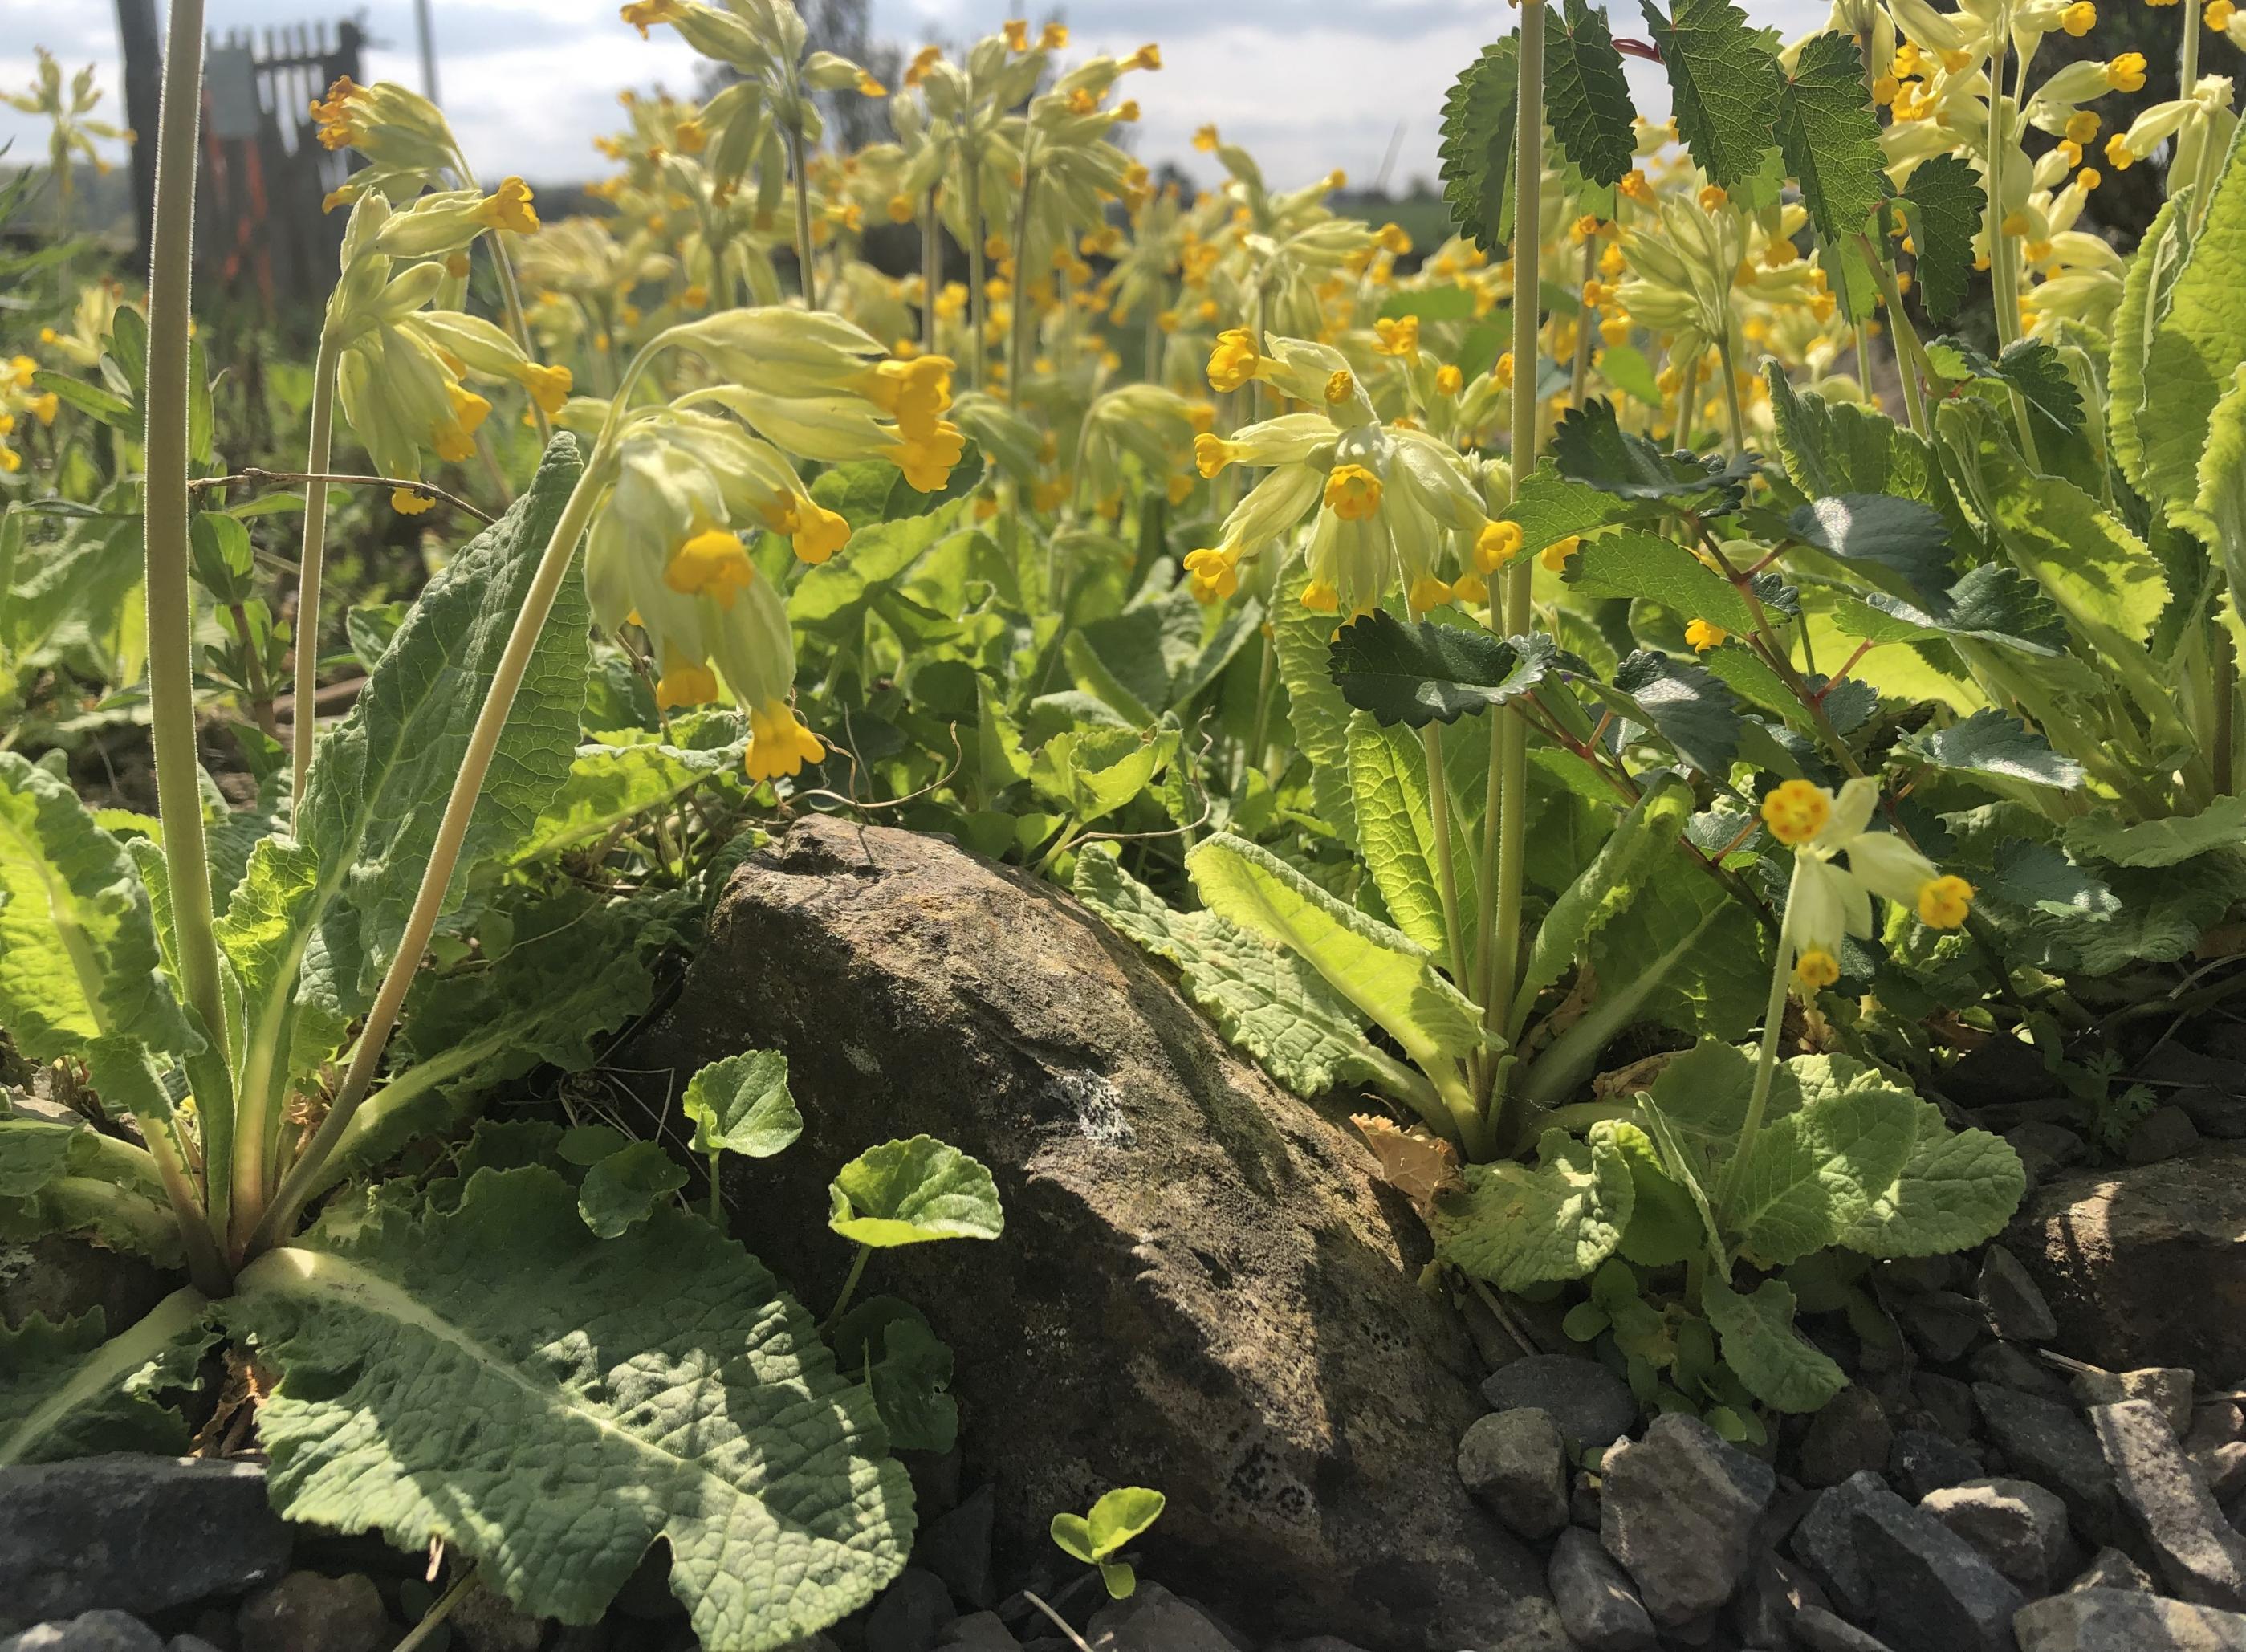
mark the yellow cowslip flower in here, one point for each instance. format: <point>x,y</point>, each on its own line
<point>2082,126</point>
<point>1146,56</point>
<point>508,207</point>
<point>1796,811</point>
<point>1399,337</point>
<point>1211,454</point>
<point>712,563</point>
<point>1396,242</point>
<point>1502,370</point>
<point>1555,556</point>
<point>1635,187</point>
<point>1449,381</point>
<point>1496,545</point>
<point>2117,152</point>
<point>1215,574</point>
<point>1832,895</point>
<point>2218,15</point>
<point>682,683</point>
<point>643,14</point>
<point>1320,597</point>
<point>1703,635</point>
<point>2126,72</point>
<point>1816,969</point>
<point>1713,197</point>
<point>2079,18</point>
<point>1017,32</point>
<point>1352,493</point>
<point>1233,361</point>
<point>2089,178</point>
<point>1206,139</point>
<point>1427,592</point>
<point>780,744</point>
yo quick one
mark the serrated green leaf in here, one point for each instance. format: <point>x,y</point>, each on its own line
<point>2104,836</point>
<point>2034,368</point>
<point>1993,603</point>
<point>1829,135</point>
<point>2196,346</point>
<point>1517,1226</point>
<point>2039,878</point>
<point>1420,672</point>
<point>1635,565</point>
<point>72,1390</point>
<point>1586,95</point>
<point>1994,742</point>
<point>1907,536</point>
<point>1724,84</point>
<point>1476,151</point>
<point>1957,1189</point>
<point>912,1193</point>
<point>1396,828</point>
<point>742,1105</point>
<point>1761,1346</point>
<point>623,1190</point>
<point>1548,507</point>
<point>598,1395</point>
<point>1948,204</point>
<point>1589,446</point>
<point>78,942</point>
<point>1836,448</point>
<point>1649,833</point>
<point>1265,999</point>
<point>1316,710</point>
<point>1391,981</point>
<point>1687,705</point>
<point>1813,1172</point>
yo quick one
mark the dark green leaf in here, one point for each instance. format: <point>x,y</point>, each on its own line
<point>1638,564</point>
<point>1476,152</point>
<point>1830,136</point>
<point>1420,672</point>
<point>1902,534</point>
<point>1724,79</point>
<point>1994,742</point>
<point>1591,446</point>
<point>2036,369</point>
<point>1945,208</point>
<point>1684,704</point>
<point>1586,97</point>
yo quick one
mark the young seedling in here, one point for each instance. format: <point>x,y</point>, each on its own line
<point>1120,1517</point>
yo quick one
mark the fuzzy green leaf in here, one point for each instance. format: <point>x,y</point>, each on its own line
<point>1316,710</point>
<point>1957,1189</point>
<point>1636,565</point>
<point>1813,1172</point>
<point>911,1192</point>
<point>908,1367</point>
<point>2196,346</point>
<point>1761,1346</point>
<point>2102,836</point>
<point>1549,507</point>
<point>2145,289</point>
<point>1839,448</point>
<point>1946,206</point>
<point>1396,827</point>
<point>78,942</point>
<point>1830,135</point>
<point>2036,369</point>
<point>1122,1516</point>
<point>1420,672</point>
<point>1389,980</point>
<point>1476,151</point>
<point>1586,96</point>
<point>1517,1226</point>
<point>1266,999</point>
<point>1993,603</point>
<point>1994,742</point>
<point>619,778</point>
<point>623,1189</point>
<point>72,1391</point>
<point>742,1105</point>
<point>1687,705</point>
<point>552,1403</point>
<point>1648,834</point>
<point>1724,80</point>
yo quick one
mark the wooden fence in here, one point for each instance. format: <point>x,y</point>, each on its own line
<point>261,234</point>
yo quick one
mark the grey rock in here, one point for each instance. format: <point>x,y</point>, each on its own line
<point>2168,1387</point>
<point>1678,1509</point>
<point>136,1533</point>
<point>1515,1466</point>
<point>2045,1147</point>
<point>2017,1524</point>
<point>2123,1621</point>
<point>1948,1405</point>
<point>1154,1619</point>
<point>188,1643</point>
<point>102,1631</point>
<point>2046,1442</point>
<point>1820,1631</point>
<point>2217,1419</point>
<point>981,1632</point>
<point>1931,1590</point>
<point>486,1620</point>
<point>2111,1569</point>
<point>2009,1365</point>
<point>60,1278</point>
<point>1827,1543</point>
<point>2142,1265</point>
<point>1238,1321</point>
<point>2219,1114</point>
<point>2200,1557</point>
<point>1764,1611</point>
<point>956,1547</point>
<point>307,1612</point>
<point>911,1614</point>
<point>1919,1273</point>
<point>2017,1311</point>
<point>1943,1324</point>
<point>1924,1461</point>
<point>1583,1504</point>
<point>1591,1405</point>
<point>1851,1434</point>
<point>2161,1134</point>
<point>1601,1611</point>
<point>2223,1468</point>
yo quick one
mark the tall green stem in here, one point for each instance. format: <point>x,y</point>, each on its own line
<point>1016,335</point>
<point>309,565</point>
<point>976,300</point>
<point>170,602</point>
<point>806,274</point>
<point>1773,1022</point>
<point>1738,418</point>
<point>931,267</point>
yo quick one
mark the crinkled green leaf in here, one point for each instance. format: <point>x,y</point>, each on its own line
<point>1648,835</point>
<point>2196,348</point>
<point>1391,981</point>
<point>1996,743</point>
<point>1265,998</point>
<point>1993,603</point>
<point>550,1404</point>
<point>2159,913</point>
<point>34,1152</point>
<point>1687,705</point>
<point>1946,208</point>
<point>1907,536</point>
<point>1396,828</point>
<point>2103,836</point>
<point>623,1189</point>
<point>2146,289</point>
<point>1761,1346</point>
<point>615,780</point>
<point>2034,367</point>
<point>1476,151</point>
<point>1838,448</point>
<point>1316,710</point>
<point>1957,1189</point>
<point>1724,84</point>
<point>912,1192</point>
<point>1548,507</point>
<point>1829,135</point>
<point>1096,771</point>
<point>1665,1224</point>
<point>1586,95</point>
<point>1517,1226</point>
<point>1417,672</point>
<point>1812,1172</point>
<point>77,942</point>
<point>72,1390</point>
<point>742,1105</point>
<point>1710,987</point>
<point>2040,878</point>
<point>1635,565</point>
<point>1590,447</point>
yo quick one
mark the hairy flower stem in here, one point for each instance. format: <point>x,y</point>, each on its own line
<point>1018,335</point>
<point>1739,424</point>
<point>1498,891</point>
<point>806,275</point>
<point>316,455</point>
<point>518,324</point>
<point>171,603</point>
<point>1773,1022</point>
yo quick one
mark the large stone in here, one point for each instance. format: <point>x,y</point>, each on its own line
<point>2123,1620</point>
<point>60,1278</point>
<point>2017,1524</point>
<point>1601,1611</point>
<point>135,1534</point>
<point>2201,1557</point>
<point>2017,1311</point>
<point>911,1615</point>
<point>104,1631</point>
<point>1680,1509</point>
<point>1851,1434</point>
<point>1932,1591</point>
<point>2168,1387</point>
<point>1202,1284</point>
<point>1154,1619</point>
<point>2046,1442</point>
<point>1827,1543</point>
<point>1592,1406</point>
<point>983,1632</point>
<point>1817,1630</point>
<point>2145,1265</point>
<point>307,1612</point>
<point>1514,1465</point>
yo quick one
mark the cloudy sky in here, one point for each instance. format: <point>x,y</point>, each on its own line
<point>1306,84</point>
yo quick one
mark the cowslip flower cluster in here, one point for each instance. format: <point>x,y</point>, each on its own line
<point>409,146</point>
<point>1840,863</point>
<point>20,399</point>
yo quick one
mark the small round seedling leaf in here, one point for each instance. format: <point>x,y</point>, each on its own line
<point>1073,1534</point>
<point>742,1106</point>
<point>622,1189</point>
<point>1120,1579</point>
<point>1122,1516</point>
<point>585,1146</point>
<point>909,1193</point>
